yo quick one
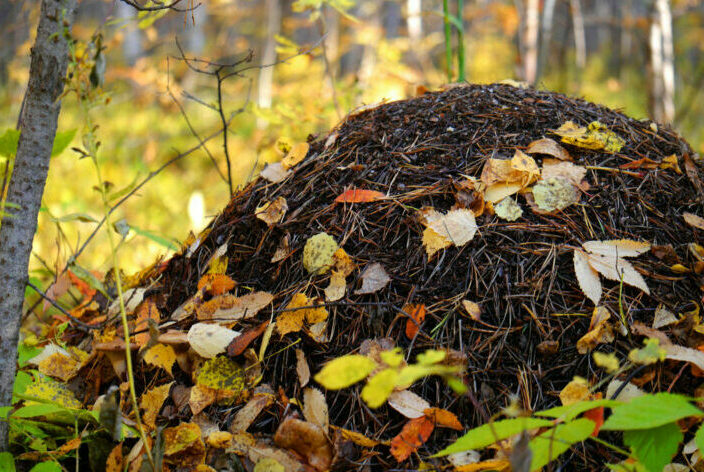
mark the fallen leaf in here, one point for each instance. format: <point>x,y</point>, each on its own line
<point>554,193</point>
<point>358,438</point>
<point>209,340</point>
<point>617,247</point>
<point>663,317</point>
<point>306,439</point>
<point>567,170</point>
<point>473,309</point>
<point>416,316</point>
<point>219,439</point>
<point>693,220</point>
<point>600,331</point>
<point>151,402</point>
<point>238,345</point>
<point>408,404</point>
<point>379,387</point>
<point>295,155</point>
<point>114,461</point>
<point>275,172</point>
<point>245,444</point>
<point>344,371</point>
<point>684,354</point>
<point>337,287</point>
<point>609,362</point>
<point>201,397</point>
<point>575,391</point>
<point>617,269</point>
<point>595,136</point>
<point>457,228</point>
<point>216,283</point>
<point>318,253</point>
<point>587,277</point>
<point>444,418</point>
<point>263,398</point>
<point>131,298</point>
<point>292,320</point>
<point>162,356</point>
<point>268,464</point>
<point>183,445</point>
<point>496,192</point>
<point>315,408</point>
<point>374,278</point>
<point>549,147</point>
<point>508,209</point>
<point>302,369</point>
<point>64,364</point>
<point>273,212</point>
<point>283,249</point>
<point>227,308</point>
<point>224,375</point>
<point>671,162</point>
<point>642,163</point>
<point>355,195</point>
<point>413,435</point>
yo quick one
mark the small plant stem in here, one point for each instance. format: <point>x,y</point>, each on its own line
<point>448,39</point>
<point>611,446</point>
<point>93,150</point>
<point>460,41</point>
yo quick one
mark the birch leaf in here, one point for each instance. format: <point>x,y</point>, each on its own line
<point>587,277</point>
<point>617,247</point>
<point>614,267</point>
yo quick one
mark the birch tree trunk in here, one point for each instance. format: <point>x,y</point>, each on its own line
<point>546,34</point>
<point>530,54</point>
<point>664,15</point>
<point>580,41</point>
<point>266,74</point>
<point>414,21</point>
<point>49,60</point>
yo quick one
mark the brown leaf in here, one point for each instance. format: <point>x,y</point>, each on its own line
<point>261,399</point>
<point>374,278</point>
<point>302,368</point>
<point>231,308</point>
<point>241,342</point>
<point>444,418</point>
<point>307,439</point>
<point>114,462</point>
<point>273,212</point>
<point>549,147</point>
<point>693,220</point>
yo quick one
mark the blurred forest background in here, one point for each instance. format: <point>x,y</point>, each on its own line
<point>645,57</point>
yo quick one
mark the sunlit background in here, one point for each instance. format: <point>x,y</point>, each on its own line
<point>641,56</point>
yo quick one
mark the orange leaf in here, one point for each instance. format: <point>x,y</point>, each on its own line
<point>416,315</point>
<point>146,311</point>
<point>411,437</point>
<point>355,195</point>
<point>240,343</point>
<point>597,416</point>
<point>216,284</point>
<point>81,285</point>
<point>443,418</point>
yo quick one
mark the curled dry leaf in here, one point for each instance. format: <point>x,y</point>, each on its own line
<point>374,278</point>
<point>616,268</point>
<point>241,342</point>
<point>209,340</point>
<point>273,212</point>
<point>306,439</point>
<point>549,147</point>
<point>444,418</point>
<point>408,404</point>
<point>183,445</point>
<point>355,195</point>
<point>663,317</point>
<point>600,331</point>
<point>283,249</point>
<point>262,398</point>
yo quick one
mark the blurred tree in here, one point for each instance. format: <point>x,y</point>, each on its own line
<point>266,74</point>
<point>662,65</point>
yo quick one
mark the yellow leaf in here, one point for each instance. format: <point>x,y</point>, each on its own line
<point>693,220</point>
<point>457,228</point>
<point>575,391</point>
<point>268,464</point>
<point>222,373</point>
<point>670,162</point>
<point>344,371</point>
<point>555,193</point>
<point>379,387</point>
<point>595,136</point>
<point>337,287</point>
<point>508,209</point>
<point>357,438</point>
<point>609,362</point>
<point>473,309</point>
<point>183,445</point>
<point>272,213</point>
<point>45,388</point>
<point>497,192</point>
<point>161,355</point>
<point>295,155</point>
<point>600,331</point>
<point>526,165</point>
<point>151,402</point>
<point>318,253</point>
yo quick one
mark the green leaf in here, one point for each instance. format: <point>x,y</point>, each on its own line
<point>4,411</point>
<point>570,412</point>
<point>37,409</point>
<point>22,381</point>
<point>650,411</point>
<point>379,388</point>
<point>7,462</point>
<point>25,353</point>
<point>549,445</point>
<point>167,243</point>
<point>655,447</point>
<point>8,143</point>
<point>699,438</point>
<point>46,467</point>
<point>61,141</point>
<point>344,371</point>
<point>488,434</point>
<point>82,217</point>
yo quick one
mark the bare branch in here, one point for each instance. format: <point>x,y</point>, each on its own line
<point>160,6</point>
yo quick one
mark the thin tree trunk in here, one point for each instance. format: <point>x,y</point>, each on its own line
<point>664,15</point>
<point>530,38</point>
<point>414,21</point>
<point>266,74</point>
<point>580,42</point>
<point>547,22</point>
<point>656,69</point>
<point>38,128</point>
